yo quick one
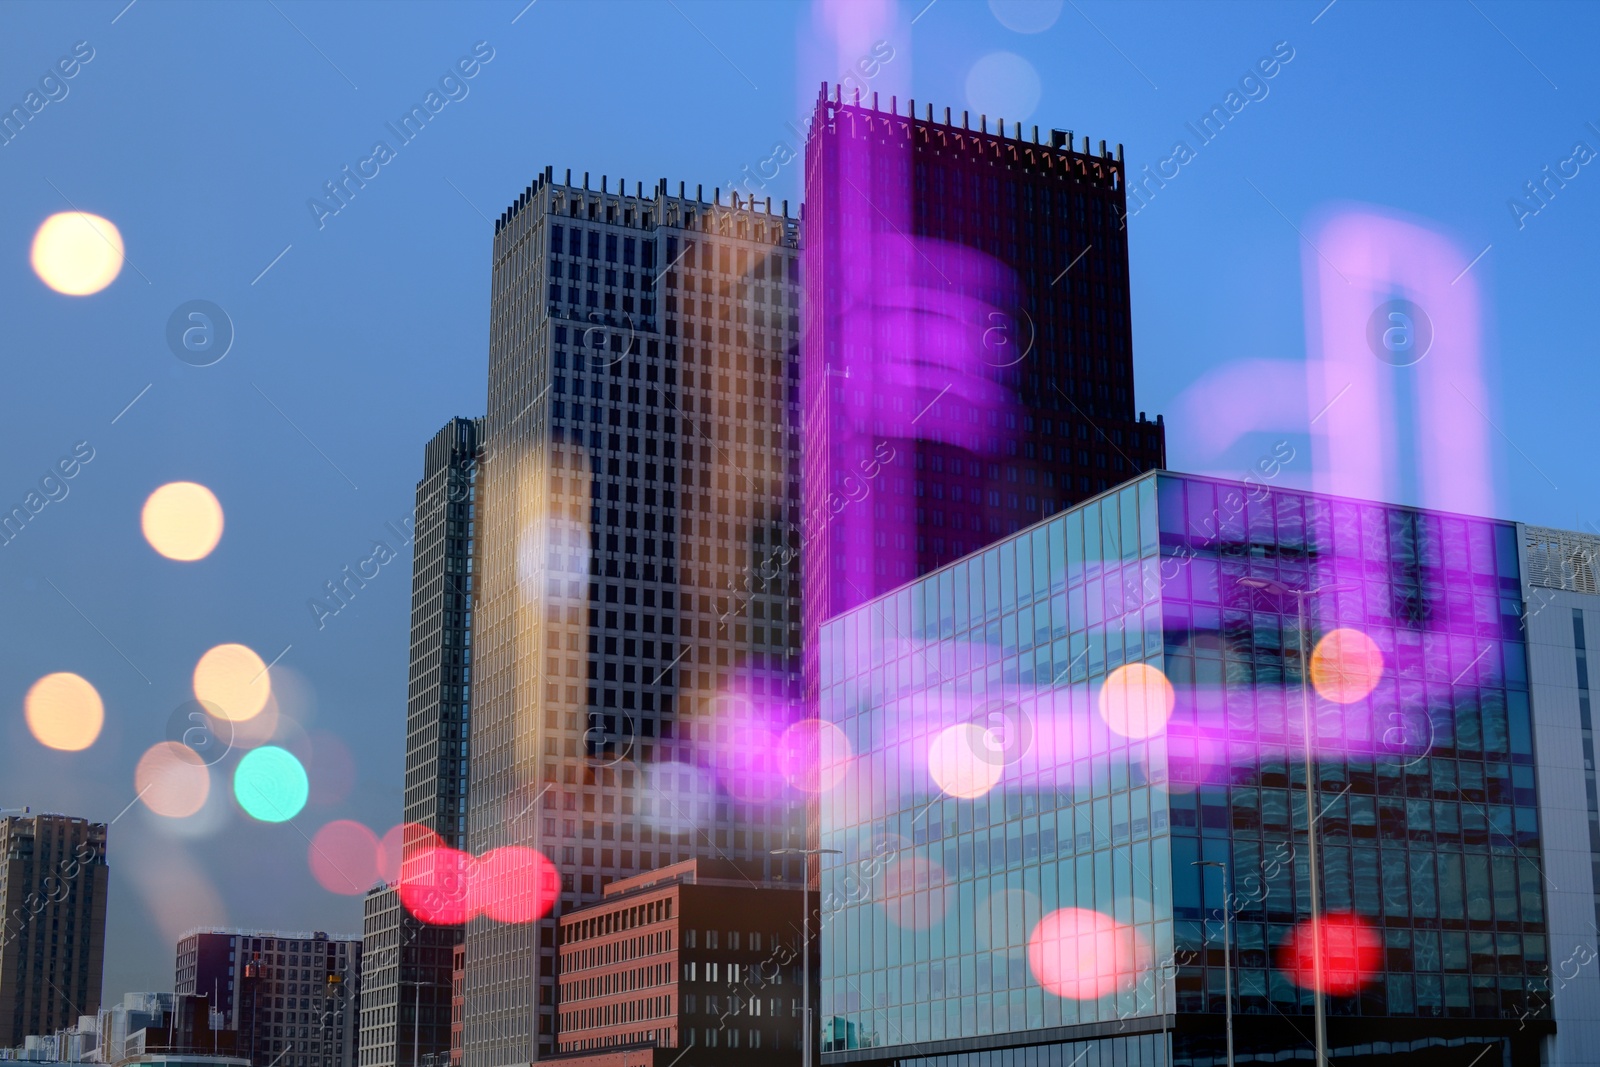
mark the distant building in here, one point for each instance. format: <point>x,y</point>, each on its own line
<point>294,998</point>
<point>119,1021</point>
<point>146,1024</point>
<point>53,882</point>
<point>696,955</point>
<point>406,980</point>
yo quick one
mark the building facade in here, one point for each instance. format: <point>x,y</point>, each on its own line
<point>638,612</point>
<point>293,998</point>
<point>697,957</point>
<point>53,885</point>
<point>1561,620</point>
<point>1051,736</point>
<point>405,1007</point>
<point>968,360</point>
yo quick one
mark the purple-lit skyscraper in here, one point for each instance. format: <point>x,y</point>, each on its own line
<point>967,364</point>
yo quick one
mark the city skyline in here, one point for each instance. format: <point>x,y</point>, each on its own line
<point>296,523</point>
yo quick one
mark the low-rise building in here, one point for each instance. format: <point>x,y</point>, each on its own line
<point>699,955</point>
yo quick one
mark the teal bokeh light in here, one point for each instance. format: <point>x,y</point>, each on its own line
<point>270,784</point>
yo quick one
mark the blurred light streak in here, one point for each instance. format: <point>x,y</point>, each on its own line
<point>177,893</point>
<point>1382,257</point>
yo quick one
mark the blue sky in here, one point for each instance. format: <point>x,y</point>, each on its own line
<point>203,130</point>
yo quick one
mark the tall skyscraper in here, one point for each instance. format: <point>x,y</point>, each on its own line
<point>638,613</point>
<point>968,355</point>
<point>405,1007</point>
<point>1080,748</point>
<point>293,998</point>
<point>53,883</point>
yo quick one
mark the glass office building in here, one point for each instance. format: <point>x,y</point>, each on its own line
<point>1037,745</point>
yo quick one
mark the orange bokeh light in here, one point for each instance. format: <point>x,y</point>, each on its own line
<point>172,780</point>
<point>233,679</point>
<point>1081,954</point>
<point>182,521</point>
<point>1346,665</point>
<point>960,762</point>
<point>77,253</point>
<point>64,712</point>
<point>1352,954</point>
<point>1136,701</point>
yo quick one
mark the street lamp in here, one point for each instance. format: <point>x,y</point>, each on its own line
<point>805,944</point>
<point>1300,597</point>
<point>416,1014</point>
<point>1227,942</point>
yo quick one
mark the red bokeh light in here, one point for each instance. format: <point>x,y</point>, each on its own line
<point>1352,953</point>
<point>513,885</point>
<point>1081,954</point>
<point>435,886</point>
<point>345,857</point>
<point>445,886</point>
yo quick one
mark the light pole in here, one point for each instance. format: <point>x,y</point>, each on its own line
<point>805,944</point>
<point>1320,1018</point>
<point>416,1015</point>
<point>1227,944</point>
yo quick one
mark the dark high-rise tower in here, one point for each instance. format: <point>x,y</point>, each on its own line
<point>637,625</point>
<point>53,878</point>
<point>406,1007</point>
<point>968,363</point>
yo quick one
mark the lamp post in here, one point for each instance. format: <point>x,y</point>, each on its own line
<point>1227,945</point>
<point>416,1015</point>
<point>805,944</point>
<point>1320,1019</point>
